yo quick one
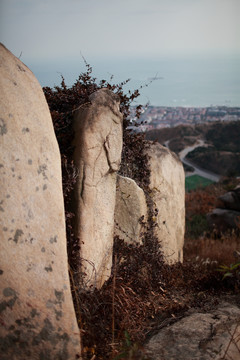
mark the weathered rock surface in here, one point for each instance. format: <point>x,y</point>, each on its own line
<point>97,155</point>
<point>130,211</point>
<point>200,336</point>
<point>36,309</point>
<point>167,184</point>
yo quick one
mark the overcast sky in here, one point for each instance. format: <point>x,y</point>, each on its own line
<point>134,39</point>
<point>49,29</point>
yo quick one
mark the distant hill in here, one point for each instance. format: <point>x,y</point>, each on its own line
<point>179,136</point>
<point>224,136</point>
<point>219,162</point>
<point>223,154</point>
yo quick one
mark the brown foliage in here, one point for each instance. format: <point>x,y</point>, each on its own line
<point>210,246</point>
<point>62,102</point>
<point>199,202</point>
<point>143,293</point>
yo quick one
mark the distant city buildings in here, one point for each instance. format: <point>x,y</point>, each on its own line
<point>156,117</point>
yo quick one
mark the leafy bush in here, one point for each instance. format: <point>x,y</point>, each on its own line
<point>232,272</point>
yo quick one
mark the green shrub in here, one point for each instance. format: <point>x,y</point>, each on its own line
<point>232,272</point>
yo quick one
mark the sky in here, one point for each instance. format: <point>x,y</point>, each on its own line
<point>52,32</point>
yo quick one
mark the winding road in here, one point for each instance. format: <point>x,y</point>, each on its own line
<point>197,170</point>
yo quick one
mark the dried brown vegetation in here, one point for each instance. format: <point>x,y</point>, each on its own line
<point>202,244</point>
<point>143,294</point>
<point>62,102</point>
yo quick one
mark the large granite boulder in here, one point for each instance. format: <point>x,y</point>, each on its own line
<point>199,335</point>
<point>231,199</point>
<point>36,308</point>
<point>227,215</point>
<point>131,213</point>
<point>97,156</point>
<point>167,185</point>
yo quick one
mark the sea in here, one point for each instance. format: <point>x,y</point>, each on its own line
<point>174,81</point>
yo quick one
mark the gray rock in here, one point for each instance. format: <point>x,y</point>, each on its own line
<point>97,156</point>
<point>130,211</point>
<point>200,336</point>
<point>37,315</point>
<point>223,219</point>
<point>227,216</point>
<point>231,199</point>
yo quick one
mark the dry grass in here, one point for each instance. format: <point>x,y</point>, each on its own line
<point>201,244</point>
<point>211,248</point>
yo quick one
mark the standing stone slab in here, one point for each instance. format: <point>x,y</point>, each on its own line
<point>130,211</point>
<point>167,185</point>
<point>97,155</point>
<point>36,309</point>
